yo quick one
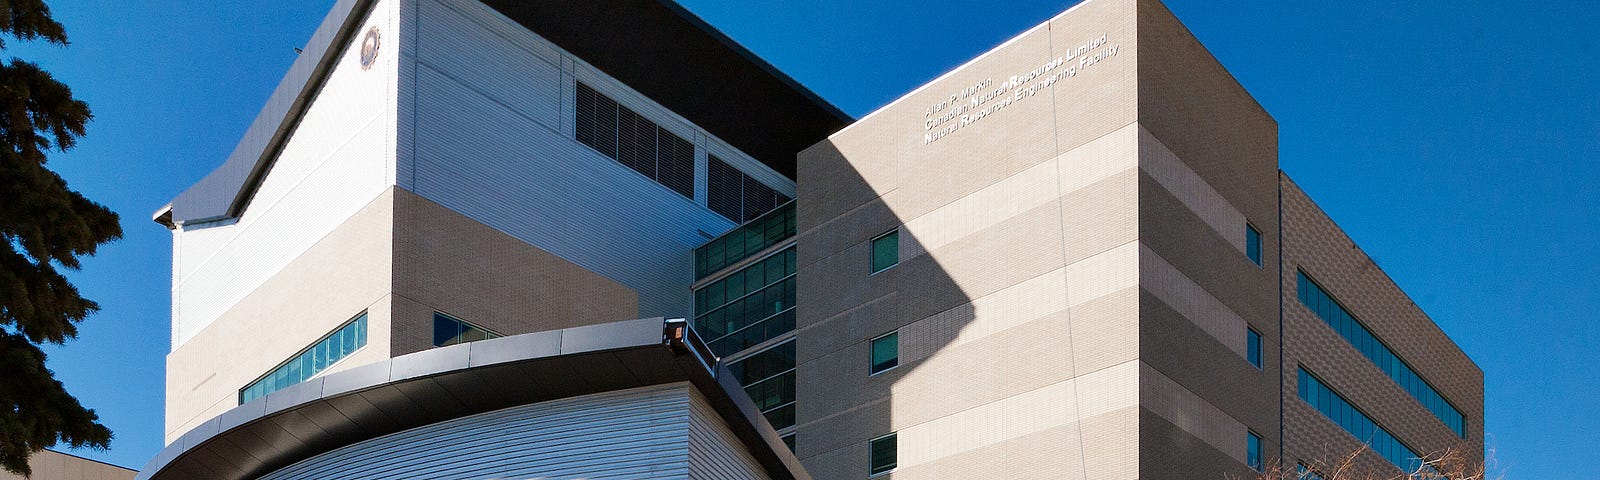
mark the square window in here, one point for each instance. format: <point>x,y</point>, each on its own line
<point>886,251</point>
<point>885,352</point>
<point>882,454</point>
<point>446,331</point>
<point>1252,243</point>
<point>1253,347</point>
<point>1253,451</point>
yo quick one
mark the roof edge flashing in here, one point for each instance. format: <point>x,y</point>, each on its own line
<point>649,351</point>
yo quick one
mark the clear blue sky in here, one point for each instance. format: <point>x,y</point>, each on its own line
<point>1458,143</point>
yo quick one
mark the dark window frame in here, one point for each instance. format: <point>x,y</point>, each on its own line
<point>872,251</point>
<point>1254,349</point>
<point>873,468</point>
<point>1253,451</point>
<point>872,354</point>
<point>1253,247</point>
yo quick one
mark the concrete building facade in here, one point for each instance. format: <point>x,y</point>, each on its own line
<point>1074,256</point>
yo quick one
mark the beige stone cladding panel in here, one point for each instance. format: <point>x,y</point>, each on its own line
<point>887,151</point>
<point>1100,217</point>
<point>1189,102</point>
<point>342,275</point>
<point>1177,291</point>
<point>447,262</point>
<point>1012,362</point>
<point>1315,244</point>
<point>1071,428</point>
<point>1020,305</point>
<point>1208,162</point>
<point>1194,334</point>
<point>1177,349</point>
<point>52,465</point>
<point>999,206</point>
<point>1195,416</point>
<point>1172,453</point>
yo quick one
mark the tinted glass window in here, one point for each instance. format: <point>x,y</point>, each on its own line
<point>883,453</point>
<point>885,251</point>
<point>1252,243</point>
<point>886,352</point>
<point>313,360</point>
<point>1333,405</point>
<point>1322,303</point>
<point>1253,451</point>
<point>1253,347</point>
<point>448,331</point>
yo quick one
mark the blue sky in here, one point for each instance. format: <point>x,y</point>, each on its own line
<point>1457,142</point>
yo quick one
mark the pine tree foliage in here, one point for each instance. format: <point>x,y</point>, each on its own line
<point>44,227</point>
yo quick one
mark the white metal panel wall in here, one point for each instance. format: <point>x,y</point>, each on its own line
<point>338,159</point>
<point>714,452</point>
<point>492,140</point>
<point>641,433</point>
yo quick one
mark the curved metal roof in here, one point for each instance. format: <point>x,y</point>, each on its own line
<point>431,386</point>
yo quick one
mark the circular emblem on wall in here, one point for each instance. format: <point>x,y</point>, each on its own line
<point>369,48</point>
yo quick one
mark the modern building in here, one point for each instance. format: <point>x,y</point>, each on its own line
<point>53,465</point>
<point>1072,257</point>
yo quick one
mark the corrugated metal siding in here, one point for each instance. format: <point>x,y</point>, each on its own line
<point>211,197</point>
<point>336,162</point>
<point>714,452</point>
<point>642,433</point>
<point>492,141</point>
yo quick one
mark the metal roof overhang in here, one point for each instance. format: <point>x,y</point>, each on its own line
<point>654,46</point>
<point>409,391</point>
<point>675,58</point>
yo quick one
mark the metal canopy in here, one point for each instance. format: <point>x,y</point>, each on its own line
<point>325,413</point>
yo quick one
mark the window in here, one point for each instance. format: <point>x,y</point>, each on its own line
<point>749,239</point>
<point>1306,473</point>
<point>886,251</point>
<point>1252,243</point>
<point>1252,451</point>
<point>1334,406</point>
<point>1253,346</point>
<point>882,455</point>
<point>885,352</point>
<point>634,141</point>
<point>1322,303</point>
<point>735,195</point>
<point>449,331</point>
<point>747,307</point>
<point>789,441</point>
<point>313,360</point>
<point>768,378</point>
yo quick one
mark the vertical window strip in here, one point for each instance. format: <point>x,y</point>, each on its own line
<point>1252,243</point>
<point>1253,347</point>
<point>1322,303</point>
<point>768,378</point>
<point>747,307</point>
<point>1253,451</point>
<point>1334,406</point>
<point>326,352</point>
